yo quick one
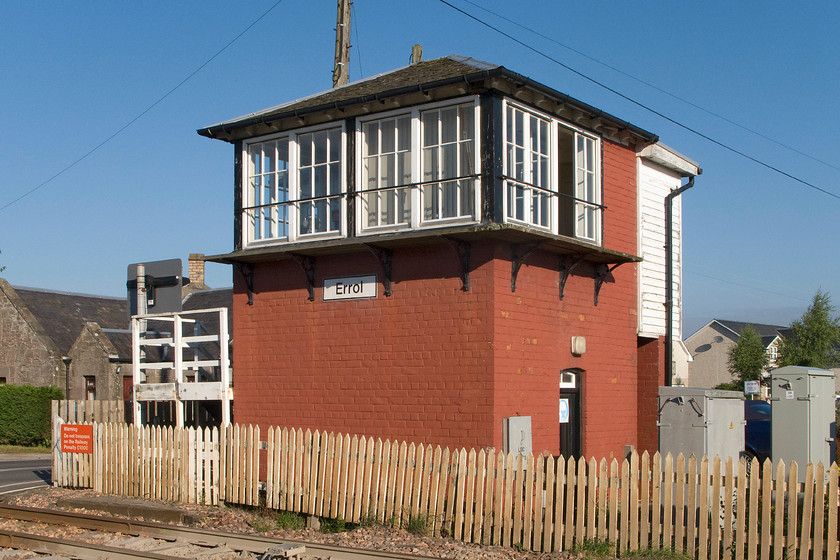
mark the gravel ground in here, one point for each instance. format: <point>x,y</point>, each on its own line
<point>248,520</point>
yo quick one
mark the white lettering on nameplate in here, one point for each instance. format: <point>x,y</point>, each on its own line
<point>354,287</point>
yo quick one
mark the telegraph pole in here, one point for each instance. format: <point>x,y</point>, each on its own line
<point>341,71</point>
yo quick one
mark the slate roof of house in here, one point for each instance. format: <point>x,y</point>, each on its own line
<point>422,76</point>
<point>768,333</point>
<point>211,299</point>
<point>121,339</point>
<point>64,314</point>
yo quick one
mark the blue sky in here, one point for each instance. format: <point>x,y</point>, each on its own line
<point>757,244</point>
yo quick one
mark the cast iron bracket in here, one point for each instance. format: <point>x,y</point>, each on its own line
<point>307,264</point>
<point>517,259</point>
<point>602,271</point>
<point>462,248</point>
<point>567,264</point>
<point>247,272</point>
<point>384,257</point>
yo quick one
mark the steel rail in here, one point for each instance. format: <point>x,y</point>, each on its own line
<point>206,537</point>
<point>77,549</point>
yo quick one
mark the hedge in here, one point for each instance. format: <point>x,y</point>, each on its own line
<point>25,414</point>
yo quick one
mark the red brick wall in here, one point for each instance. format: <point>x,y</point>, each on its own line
<point>651,357</point>
<point>620,198</point>
<point>416,365</point>
<point>435,364</point>
<point>533,345</point>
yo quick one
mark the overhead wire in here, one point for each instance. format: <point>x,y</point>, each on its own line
<point>689,272</point>
<point>642,105</point>
<point>657,88</point>
<point>143,113</point>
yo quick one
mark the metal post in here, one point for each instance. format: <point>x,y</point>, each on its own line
<point>138,331</point>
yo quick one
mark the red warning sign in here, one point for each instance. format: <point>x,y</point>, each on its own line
<point>76,438</point>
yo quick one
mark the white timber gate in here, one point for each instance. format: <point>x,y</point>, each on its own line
<point>181,357</point>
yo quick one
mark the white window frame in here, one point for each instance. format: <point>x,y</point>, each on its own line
<point>530,194</point>
<point>557,126</point>
<point>581,202</point>
<point>416,220</point>
<point>361,191</point>
<point>253,207</point>
<point>294,201</point>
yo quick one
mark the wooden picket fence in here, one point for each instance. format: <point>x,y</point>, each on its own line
<point>70,469</point>
<point>708,509</point>
<point>80,411</point>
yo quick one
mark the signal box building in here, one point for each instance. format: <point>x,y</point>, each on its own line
<point>428,253</point>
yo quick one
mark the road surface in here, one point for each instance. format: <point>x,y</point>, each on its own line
<point>23,472</point>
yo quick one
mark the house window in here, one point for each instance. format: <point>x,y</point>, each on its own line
<point>448,162</point>
<point>267,209</point>
<point>2,380</point>
<point>418,168</point>
<point>294,186</point>
<point>556,187</point>
<point>386,172</point>
<point>529,183</point>
<point>772,353</point>
<point>90,387</point>
<point>319,181</point>
<point>580,194</point>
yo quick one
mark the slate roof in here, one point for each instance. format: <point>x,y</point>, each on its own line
<point>211,299</point>
<point>121,339</point>
<point>422,76</point>
<point>64,314</point>
<point>768,333</point>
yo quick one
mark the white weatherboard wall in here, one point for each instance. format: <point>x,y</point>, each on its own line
<point>655,182</point>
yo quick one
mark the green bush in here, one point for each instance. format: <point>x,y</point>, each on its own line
<point>25,414</point>
<point>288,520</point>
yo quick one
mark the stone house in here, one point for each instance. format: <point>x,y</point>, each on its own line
<point>43,332</point>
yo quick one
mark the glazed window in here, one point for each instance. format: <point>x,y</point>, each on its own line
<point>90,387</point>
<point>386,172</point>
<point>551,174</point>
<point>319,182</point>
<point>267,211</point>
<point>418,168</point>
<point>293,187</point>
<point>448,162</point>
<point>579,185</point>
<point>529,179</point>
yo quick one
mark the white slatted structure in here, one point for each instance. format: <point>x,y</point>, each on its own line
<point>183,357</point>
<point>660,170</point>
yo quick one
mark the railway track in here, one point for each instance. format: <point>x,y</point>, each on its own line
<point>98,537</point>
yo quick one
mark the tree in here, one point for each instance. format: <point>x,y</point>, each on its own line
<point>813,339</point>
<point>748,359</point>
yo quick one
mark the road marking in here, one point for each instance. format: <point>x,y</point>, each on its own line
<point>35,468</point>
<point>23,489</point>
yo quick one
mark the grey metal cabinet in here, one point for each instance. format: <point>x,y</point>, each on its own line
<point>701,422</point>
<point>803,429</point>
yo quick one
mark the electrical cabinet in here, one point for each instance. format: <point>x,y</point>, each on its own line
<point>701,422</point>
<point>802,401</point>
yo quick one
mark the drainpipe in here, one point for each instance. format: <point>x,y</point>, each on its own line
<point>669,280</point>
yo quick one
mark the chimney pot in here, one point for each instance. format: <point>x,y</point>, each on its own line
<point>416,54</point>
